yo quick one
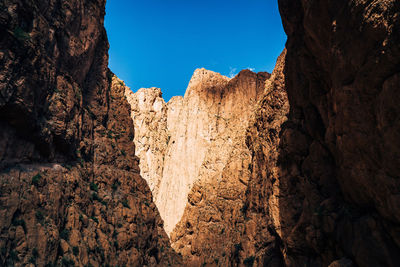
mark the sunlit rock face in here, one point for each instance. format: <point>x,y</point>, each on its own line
<point>191,138</point>
<point>149,114</point>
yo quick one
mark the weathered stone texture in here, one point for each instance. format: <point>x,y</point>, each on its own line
<point>70,189</point>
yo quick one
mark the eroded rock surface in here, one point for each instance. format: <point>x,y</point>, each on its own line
<point>329,190</point>
<point>342,78</point>
<point>209,230</point>
<point>238,176</point>
<point>197,135</point>
<point>260,240</point>
<point>149,114</point>
<point>70,189</point>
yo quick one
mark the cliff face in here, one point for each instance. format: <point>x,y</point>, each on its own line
<point>149,114</point>
<point>191,138</point>
<point>336,192</point>
<point>209,228</point>
<point>239,177</point>
<point>260,239</point>
<point>52,53</point>
<point>321,185</point>
<point>70,187</point>
<point>226,132</point>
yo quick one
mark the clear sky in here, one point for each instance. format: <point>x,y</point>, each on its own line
<point>159,43</point>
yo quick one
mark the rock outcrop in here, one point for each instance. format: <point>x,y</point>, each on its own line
<point>149,114</point>
<point>70,189</point>
<point>321,186</point>
<point>328,188</point>
<point>192,139</point>
<point>209,230</point>
<point>260,240</point>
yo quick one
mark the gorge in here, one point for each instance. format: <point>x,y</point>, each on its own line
<point>299,167</point>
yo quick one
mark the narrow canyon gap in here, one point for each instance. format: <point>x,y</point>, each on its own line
<point>307,175</point>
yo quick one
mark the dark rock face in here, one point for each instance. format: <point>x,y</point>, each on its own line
<point>339,152</point>
<point>260,240</point>
<point>70,189</point>
<point>54,58</point>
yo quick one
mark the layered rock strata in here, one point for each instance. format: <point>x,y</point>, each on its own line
<point>70,189</point>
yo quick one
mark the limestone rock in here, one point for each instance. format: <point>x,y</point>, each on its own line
<point>205,158</point>
<point>259,240</point>
<point>149,114</point>
<point>209,230</point>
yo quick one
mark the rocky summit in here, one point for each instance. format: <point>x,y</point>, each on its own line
<point>295,168</point>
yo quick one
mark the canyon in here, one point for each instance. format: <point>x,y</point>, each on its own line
<point>299,167</point>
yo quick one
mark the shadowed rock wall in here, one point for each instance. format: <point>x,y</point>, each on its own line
<point>70,189</point>
<point>337,192</point>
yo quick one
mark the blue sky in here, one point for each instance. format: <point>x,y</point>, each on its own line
<point>161,42</point>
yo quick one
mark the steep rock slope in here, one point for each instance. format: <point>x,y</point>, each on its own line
<point>259,240</point>
<point>197,134</point>
<point>70,187</point>
<point>149,114</point>
<point>333,192</point>
<point>213,218</point>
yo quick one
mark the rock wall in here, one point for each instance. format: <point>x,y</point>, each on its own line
<point>238,176</point>
<point>330,191</point>
<point>195,135</point>
<point>213,217</point>
<point>71,193</point>
<point>149,115</point>
<point>322,185</point>
<point>260,240</point>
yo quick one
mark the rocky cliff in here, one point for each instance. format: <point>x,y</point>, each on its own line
<point>192,138</point>
<point>321,186</point>
<point>218,225</point>
<point>329,192</point>
<point>239,176</point>
<point>216,228</point>
<point>70,189</point>
<point>149,114</point>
